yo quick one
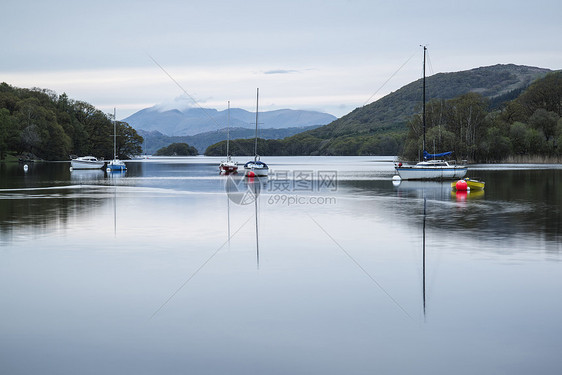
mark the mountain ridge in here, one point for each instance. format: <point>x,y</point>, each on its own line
<point>192,121</point>
<point>154,140</point>
<point>393,111</point>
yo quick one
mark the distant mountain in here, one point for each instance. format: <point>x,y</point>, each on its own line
<point>194,121</point>
<point>154,140</point>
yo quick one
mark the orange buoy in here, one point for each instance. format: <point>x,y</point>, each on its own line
<point>461,185</point>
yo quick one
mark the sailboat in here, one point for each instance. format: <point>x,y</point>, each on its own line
<point>256,167</point>
<point>430,168</point>
<point>115,165</point>
<point>228,166</point>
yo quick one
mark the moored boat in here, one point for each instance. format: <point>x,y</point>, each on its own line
<point>256,168</point>
<point>115,165</point>
<point>471,184</point>
<point>431,170</point>
<point>87,162</point>
<point>228,166</point>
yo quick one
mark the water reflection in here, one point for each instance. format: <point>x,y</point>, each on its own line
<point>120,248</point>
<point>87,175</point>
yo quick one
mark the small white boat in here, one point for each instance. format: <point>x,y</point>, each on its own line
<point>87,162</point>
<point>431,170</point>
<point>115,165</point>
<point>228,165</point>
<point>256,168</point>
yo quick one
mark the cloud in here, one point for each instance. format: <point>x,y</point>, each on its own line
<point>281,71</point>
<point>181,103</point>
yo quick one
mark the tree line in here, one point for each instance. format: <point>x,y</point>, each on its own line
<point>306,144</point>
<point>38,123</point>
<point>530,125</point>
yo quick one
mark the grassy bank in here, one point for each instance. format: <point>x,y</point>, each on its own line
<point>532,159</point>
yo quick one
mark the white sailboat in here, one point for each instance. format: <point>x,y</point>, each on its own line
<point>115,165</point>
<point>431,168</point>
<point>87,162</point>
<point>228,165</point>
<point>256,167</point>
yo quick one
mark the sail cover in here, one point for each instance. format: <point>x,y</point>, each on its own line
<point>427,155</point>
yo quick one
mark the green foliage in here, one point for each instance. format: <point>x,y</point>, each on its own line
<point>529,125</point>
<point>177,149</point>
<point>41,124</point>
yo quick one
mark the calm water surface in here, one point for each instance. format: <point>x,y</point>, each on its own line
<point>333,269</point>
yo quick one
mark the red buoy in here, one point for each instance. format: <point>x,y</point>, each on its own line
<point>252,174</point>
<point>461,185</point>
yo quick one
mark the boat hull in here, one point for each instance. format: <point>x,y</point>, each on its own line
<point>256,168</point>
<point>257,172</point>
<point>116,165</point>
<point>431,173</point>
<point>228,167</point>
<point>89,163</point>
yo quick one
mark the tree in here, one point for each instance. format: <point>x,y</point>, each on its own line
<point>129,142</point>
<point>495,146</point>
<point>465,118</point>
<point>545,93</point>
<point>519,139</point>
<point>544,121</point>
<point>9,134</point>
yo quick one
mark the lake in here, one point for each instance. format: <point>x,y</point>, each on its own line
<point>326,267</point>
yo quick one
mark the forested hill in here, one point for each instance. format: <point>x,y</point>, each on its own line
<point>499,83</point>
<point>39,124</point>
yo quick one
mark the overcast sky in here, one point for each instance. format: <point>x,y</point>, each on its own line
<point>326,55</point>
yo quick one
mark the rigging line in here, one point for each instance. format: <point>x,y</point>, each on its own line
<point>431,72</point>
<point>182,89</point>
<point>361,267</point>
<point>197,271</point>
<point>385,82</point>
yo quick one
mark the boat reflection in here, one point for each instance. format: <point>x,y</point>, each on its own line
<point>423,257</point>
<point>116,173</point>
<point>245,191</point>
<point>462,196</point>
<point>434,190</point>
<point>85,175</point>
<point>255,185</point>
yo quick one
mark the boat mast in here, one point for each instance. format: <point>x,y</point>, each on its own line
<point>228,132</point>
<point>424,50</point>
<point>256,140</point>
<point>114,134</point>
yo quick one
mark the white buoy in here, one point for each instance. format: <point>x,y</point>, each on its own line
<point>396,178</point>
<point>25,167</point>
